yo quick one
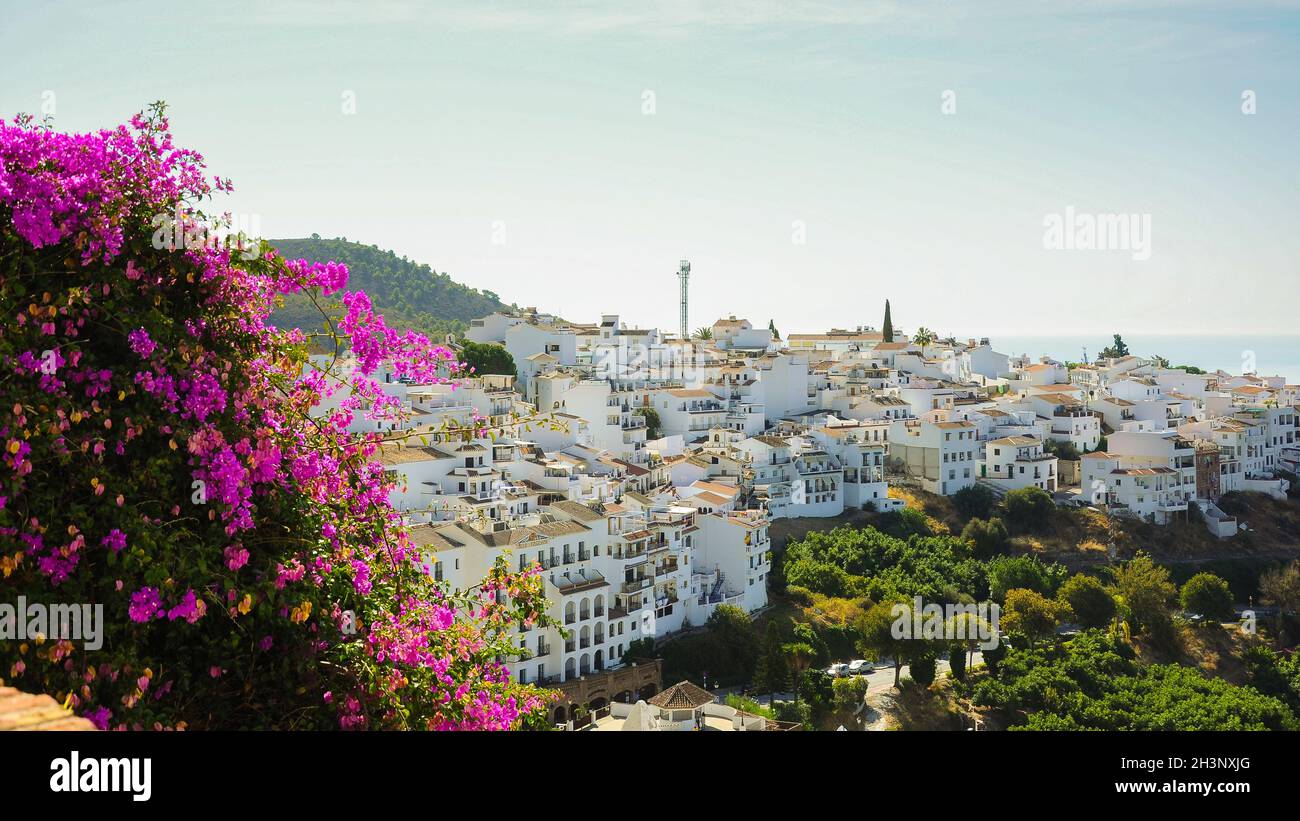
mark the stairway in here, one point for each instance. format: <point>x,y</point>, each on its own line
<point>716,593</point>
<point>998,490</point>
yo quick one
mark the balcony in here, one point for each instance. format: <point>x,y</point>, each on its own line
<point>636,585</point>
<point>666,568</point>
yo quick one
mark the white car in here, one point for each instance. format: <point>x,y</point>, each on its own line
<point>837,670</point>
<point>859,667</point>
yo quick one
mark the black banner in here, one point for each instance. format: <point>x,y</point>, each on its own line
<point>334,770</point>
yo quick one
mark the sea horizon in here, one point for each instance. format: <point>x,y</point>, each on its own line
<point>1272,354</point>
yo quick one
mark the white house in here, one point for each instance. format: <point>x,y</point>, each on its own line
<point>1014,462</point>
<point>941,455</point>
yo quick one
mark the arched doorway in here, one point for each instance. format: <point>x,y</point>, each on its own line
<point>647,692</point>
<point>560,716</point>
<point>597,703</point>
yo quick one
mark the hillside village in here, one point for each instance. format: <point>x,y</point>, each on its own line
<point>642,471</point>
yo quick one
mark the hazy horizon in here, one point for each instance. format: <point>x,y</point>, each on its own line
<point>564,154</point>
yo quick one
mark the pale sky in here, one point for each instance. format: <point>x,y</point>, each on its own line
<point>527,121</point>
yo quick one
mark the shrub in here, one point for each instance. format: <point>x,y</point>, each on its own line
<point>923,668</point>
<point>1028,509</point>
<point>748,705</point>
<point>987,538</point>
<point>849,692</point>
<point>1207,594</point>
<point>486,358</point>
<point>957,660</point>
<point>1032,614</point>
<point>160,460</point>
<point>906,522</point>
<point>1029,572</point>
<point>819,577</point>
<point>799,595</point>
<point>1088,600</point>
<point>974,502</point>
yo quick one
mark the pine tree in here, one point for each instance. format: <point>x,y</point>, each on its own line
<point>888,328</point>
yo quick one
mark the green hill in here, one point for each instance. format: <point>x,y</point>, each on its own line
<point>409,294</point>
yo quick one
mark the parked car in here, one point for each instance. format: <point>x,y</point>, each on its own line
<point>837,670</point>
<point>859,667</point>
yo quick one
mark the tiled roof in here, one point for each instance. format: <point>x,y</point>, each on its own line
<point>25,711</point>
<point>682,696</point>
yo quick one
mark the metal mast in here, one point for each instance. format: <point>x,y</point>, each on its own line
<point>684,276</point>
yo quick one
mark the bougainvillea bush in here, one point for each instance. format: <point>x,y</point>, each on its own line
<point>161,458</point>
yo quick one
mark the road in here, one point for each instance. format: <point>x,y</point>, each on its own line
<point>880,678</point>
<point>883,676</point>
